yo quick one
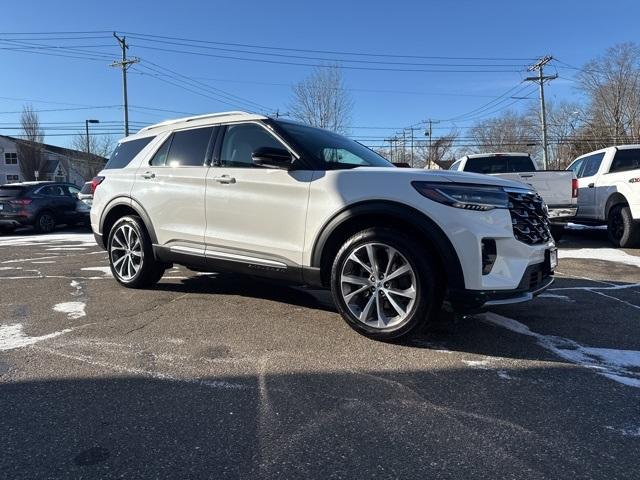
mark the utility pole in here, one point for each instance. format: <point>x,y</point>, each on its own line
<point>429,133</point>
<point>540,80</point>
<point>411,157</point>
<point>125,63</point>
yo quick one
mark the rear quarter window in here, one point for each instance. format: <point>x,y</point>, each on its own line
<point>125,152</point>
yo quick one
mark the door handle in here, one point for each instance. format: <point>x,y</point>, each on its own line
<point>591,185</point>
<point>226,179</point>
<point>148,175</point>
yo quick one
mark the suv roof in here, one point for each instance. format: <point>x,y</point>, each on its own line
<point>197,120</point>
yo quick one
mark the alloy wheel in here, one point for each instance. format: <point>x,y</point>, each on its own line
<point>46,223</point>
<point>378,285</point>
<point>126,252</point>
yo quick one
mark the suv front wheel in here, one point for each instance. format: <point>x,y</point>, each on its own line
<point>384,284</point>
<point>131,254</point>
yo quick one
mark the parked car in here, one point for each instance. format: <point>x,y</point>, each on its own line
<point>42,205</point>
<point>558,188</point>
<point>277,199</point>
<point>83,206</point>
<point>609,182</point>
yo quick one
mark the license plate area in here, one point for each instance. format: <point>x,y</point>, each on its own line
<point>551,259</point>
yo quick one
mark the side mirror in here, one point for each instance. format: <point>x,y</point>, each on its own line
<point>271,157</point>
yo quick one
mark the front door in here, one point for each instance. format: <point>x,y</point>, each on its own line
<point>255,215</point>
<point>171,186</point>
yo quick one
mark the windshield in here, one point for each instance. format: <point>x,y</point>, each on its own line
<point>499,164</point>
<point>333,150</point>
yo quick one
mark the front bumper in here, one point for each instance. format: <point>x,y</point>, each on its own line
<point>535,280</point>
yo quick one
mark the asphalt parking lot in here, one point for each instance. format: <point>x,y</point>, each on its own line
<point>212,376</point>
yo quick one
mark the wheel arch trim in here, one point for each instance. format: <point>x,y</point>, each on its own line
<point>135,206</point>
<point>404,213</point>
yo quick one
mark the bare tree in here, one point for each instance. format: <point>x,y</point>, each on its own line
<point>101,145</point>
<point>321,100</point>
<point>30,154</point>
<point>510,132</point>
<point>612,85</point>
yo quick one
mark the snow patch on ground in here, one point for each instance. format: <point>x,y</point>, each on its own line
<point>74,310</point>
<point>607,254</point>
<point>49,240</point>
<point>612,363</point>
<point>105,270</point>
<point>13,336</point>
<point>556,297</point>
<point>482,364</point>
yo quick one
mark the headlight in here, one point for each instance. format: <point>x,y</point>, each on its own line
<point>468,197</point>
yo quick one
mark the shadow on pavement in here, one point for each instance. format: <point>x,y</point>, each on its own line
<point>441,423</point>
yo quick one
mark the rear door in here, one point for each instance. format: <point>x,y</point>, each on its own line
<point>170,187</point>
<point>255,215</point>
<point>57,199</point>
<point>587,179</point>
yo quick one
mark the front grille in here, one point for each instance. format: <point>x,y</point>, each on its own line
<point>529,217</point>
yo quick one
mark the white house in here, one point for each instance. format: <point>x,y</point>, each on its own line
<point>61,164</point>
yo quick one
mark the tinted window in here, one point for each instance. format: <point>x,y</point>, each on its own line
<point>125,152</point>
<point>9,191</point>
<point>499,164</point>
<point>189,148</point>
<point>52,191</point>
<point>591,165</point>
<point>86,188</point>
<point>240,141</point>
<point>627,159</point>
<point>160,157</point>
<point>455,165</point>
<point>330,148</point>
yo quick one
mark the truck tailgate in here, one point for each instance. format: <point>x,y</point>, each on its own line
<point>555,187</point>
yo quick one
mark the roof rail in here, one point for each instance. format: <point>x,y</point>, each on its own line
<point>191,119</point>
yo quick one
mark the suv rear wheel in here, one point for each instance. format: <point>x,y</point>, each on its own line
<point>384,284</point>
<point>131,255</point>
<point>622,229</point>
<point>45,222</point>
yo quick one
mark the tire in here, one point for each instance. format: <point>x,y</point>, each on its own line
<point>361,295</point>
<point>45,222</point>
<point>623,231</point>
<point>557,232</point>
<point>131,254</point>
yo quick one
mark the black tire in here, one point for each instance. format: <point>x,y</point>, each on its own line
<point>428,293</point>
<point>623,231</point>
<point>45,222</point>
<point>557,232</point>
<point>149,270</point>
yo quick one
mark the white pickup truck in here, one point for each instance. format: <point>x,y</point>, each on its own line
<point>609,183</point>
<point>558,188</point>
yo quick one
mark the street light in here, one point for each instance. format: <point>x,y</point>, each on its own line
<point>86,126</point>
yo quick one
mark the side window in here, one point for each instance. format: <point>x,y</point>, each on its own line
<point>455,165</point>
<point>73,191</point>
<point>575,166</point>
<point>241,140</point>
<point>340,155</point>
<point>591,165</point>
<point>189,148</point>
<point>626,159</point>
<point>52,191</point>
<point>160,157</point>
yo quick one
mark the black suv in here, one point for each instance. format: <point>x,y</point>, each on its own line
<point>42,205</point>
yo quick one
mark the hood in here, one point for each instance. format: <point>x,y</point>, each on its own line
<point>452,176</point>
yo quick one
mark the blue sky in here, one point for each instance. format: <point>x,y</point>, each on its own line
<point>572,31</point>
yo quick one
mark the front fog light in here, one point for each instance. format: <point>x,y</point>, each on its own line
<point>489,254</point>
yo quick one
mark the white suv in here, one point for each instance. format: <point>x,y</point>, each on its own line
<point>273,198</point>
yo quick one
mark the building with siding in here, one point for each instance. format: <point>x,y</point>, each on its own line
<point>58,163</point>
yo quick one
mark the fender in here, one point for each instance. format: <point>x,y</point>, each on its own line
<point>404,213</point>
<point>615,198</point>
<point>133,204</point>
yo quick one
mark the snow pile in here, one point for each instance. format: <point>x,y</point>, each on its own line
<point>607,254</point>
